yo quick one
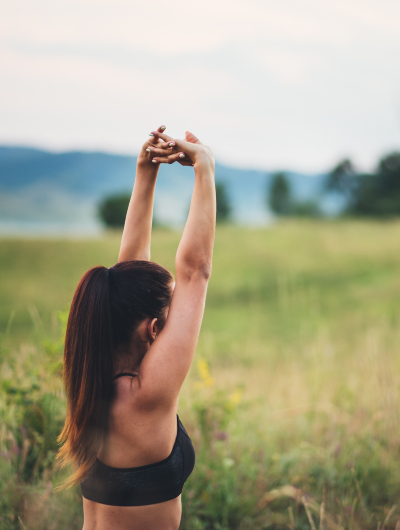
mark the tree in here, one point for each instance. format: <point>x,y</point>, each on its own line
<point>223,205</point>
<point>378,194</point>
<point>342,178</point>
<point>112,210</point>
<point>279,198</point>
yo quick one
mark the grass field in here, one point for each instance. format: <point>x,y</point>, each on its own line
<point>292,401</point>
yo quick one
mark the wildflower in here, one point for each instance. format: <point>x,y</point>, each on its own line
<point>204,372</point>
<point>236,397</point>
<point>228,462</point>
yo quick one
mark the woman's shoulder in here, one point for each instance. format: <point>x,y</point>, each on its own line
<point>131,398</point>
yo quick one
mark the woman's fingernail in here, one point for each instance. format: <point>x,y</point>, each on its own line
<point>163,128</point>
<point>151,134</point>
<point>148,150</point>
<point>182,155</point>
<point>171,144</point>
<point>154,161</point>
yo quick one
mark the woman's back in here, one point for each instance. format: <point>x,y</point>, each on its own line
<point>161,516</point>
<point>137,437</point>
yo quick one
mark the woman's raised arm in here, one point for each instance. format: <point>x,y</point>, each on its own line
<point>136,237</point>
<point>167,363</point>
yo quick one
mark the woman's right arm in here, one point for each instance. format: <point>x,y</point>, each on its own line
<point>167,363</point>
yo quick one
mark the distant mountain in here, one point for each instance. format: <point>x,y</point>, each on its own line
<point>41,190</point>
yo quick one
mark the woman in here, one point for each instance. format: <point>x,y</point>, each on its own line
<point>130,341</point>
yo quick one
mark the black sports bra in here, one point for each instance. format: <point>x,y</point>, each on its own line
<point>140,486</point>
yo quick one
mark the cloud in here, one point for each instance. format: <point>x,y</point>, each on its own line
<point>179,27</point>
<point>295,83</point>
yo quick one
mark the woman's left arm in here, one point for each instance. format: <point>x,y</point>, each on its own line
<point>136,237</point>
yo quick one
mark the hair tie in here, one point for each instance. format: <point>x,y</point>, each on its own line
<point>110,273</point>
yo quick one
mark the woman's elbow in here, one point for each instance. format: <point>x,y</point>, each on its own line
<point>200,271</point>
<point>205,271</point>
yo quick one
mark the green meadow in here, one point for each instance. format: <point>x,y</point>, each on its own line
<point>292,401</point>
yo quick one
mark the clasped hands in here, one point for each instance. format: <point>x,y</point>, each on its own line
<point>163,149</point>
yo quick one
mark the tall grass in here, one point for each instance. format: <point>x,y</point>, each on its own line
<point>292,402</point>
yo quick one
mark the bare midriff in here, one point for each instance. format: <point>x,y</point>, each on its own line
<point>162,516</point>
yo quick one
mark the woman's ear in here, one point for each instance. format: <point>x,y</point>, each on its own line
<point>152,330</point>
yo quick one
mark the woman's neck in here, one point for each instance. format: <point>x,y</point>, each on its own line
<point>129,359</point>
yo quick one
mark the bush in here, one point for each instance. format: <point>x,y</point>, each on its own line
<point>112,210</point>
<point>223,204</point>
<point>307,209</point>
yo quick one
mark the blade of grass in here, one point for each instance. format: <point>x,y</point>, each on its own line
<point>303,500</point>
<point>389,515</point>
<point>291,518</point>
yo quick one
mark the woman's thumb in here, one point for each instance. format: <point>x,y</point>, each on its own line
<point>189,137</point>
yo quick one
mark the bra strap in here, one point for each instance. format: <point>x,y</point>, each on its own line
<point>124,374</point>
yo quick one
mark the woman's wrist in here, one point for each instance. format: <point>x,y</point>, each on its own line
<point>204,160</point>
<point>144,163</point>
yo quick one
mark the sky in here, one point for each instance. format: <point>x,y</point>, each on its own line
<point>288,84</point>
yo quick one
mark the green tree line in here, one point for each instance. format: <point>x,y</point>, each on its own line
<point>374,194</point>
<point>364,194</point>
<point>112,209</point>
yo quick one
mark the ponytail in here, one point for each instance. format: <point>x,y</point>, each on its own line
<point>88,372</point>
<point>107,306</point>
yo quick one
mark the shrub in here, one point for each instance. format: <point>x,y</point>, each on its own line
<point>223,205</point>
<point>112,210</point>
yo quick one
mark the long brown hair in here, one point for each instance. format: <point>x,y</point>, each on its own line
<point>107,307</point>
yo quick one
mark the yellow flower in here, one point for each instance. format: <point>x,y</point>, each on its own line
<point>205,496</point>
<point>209,381</point>
<point>203,369</point>
<point>236,397</point>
